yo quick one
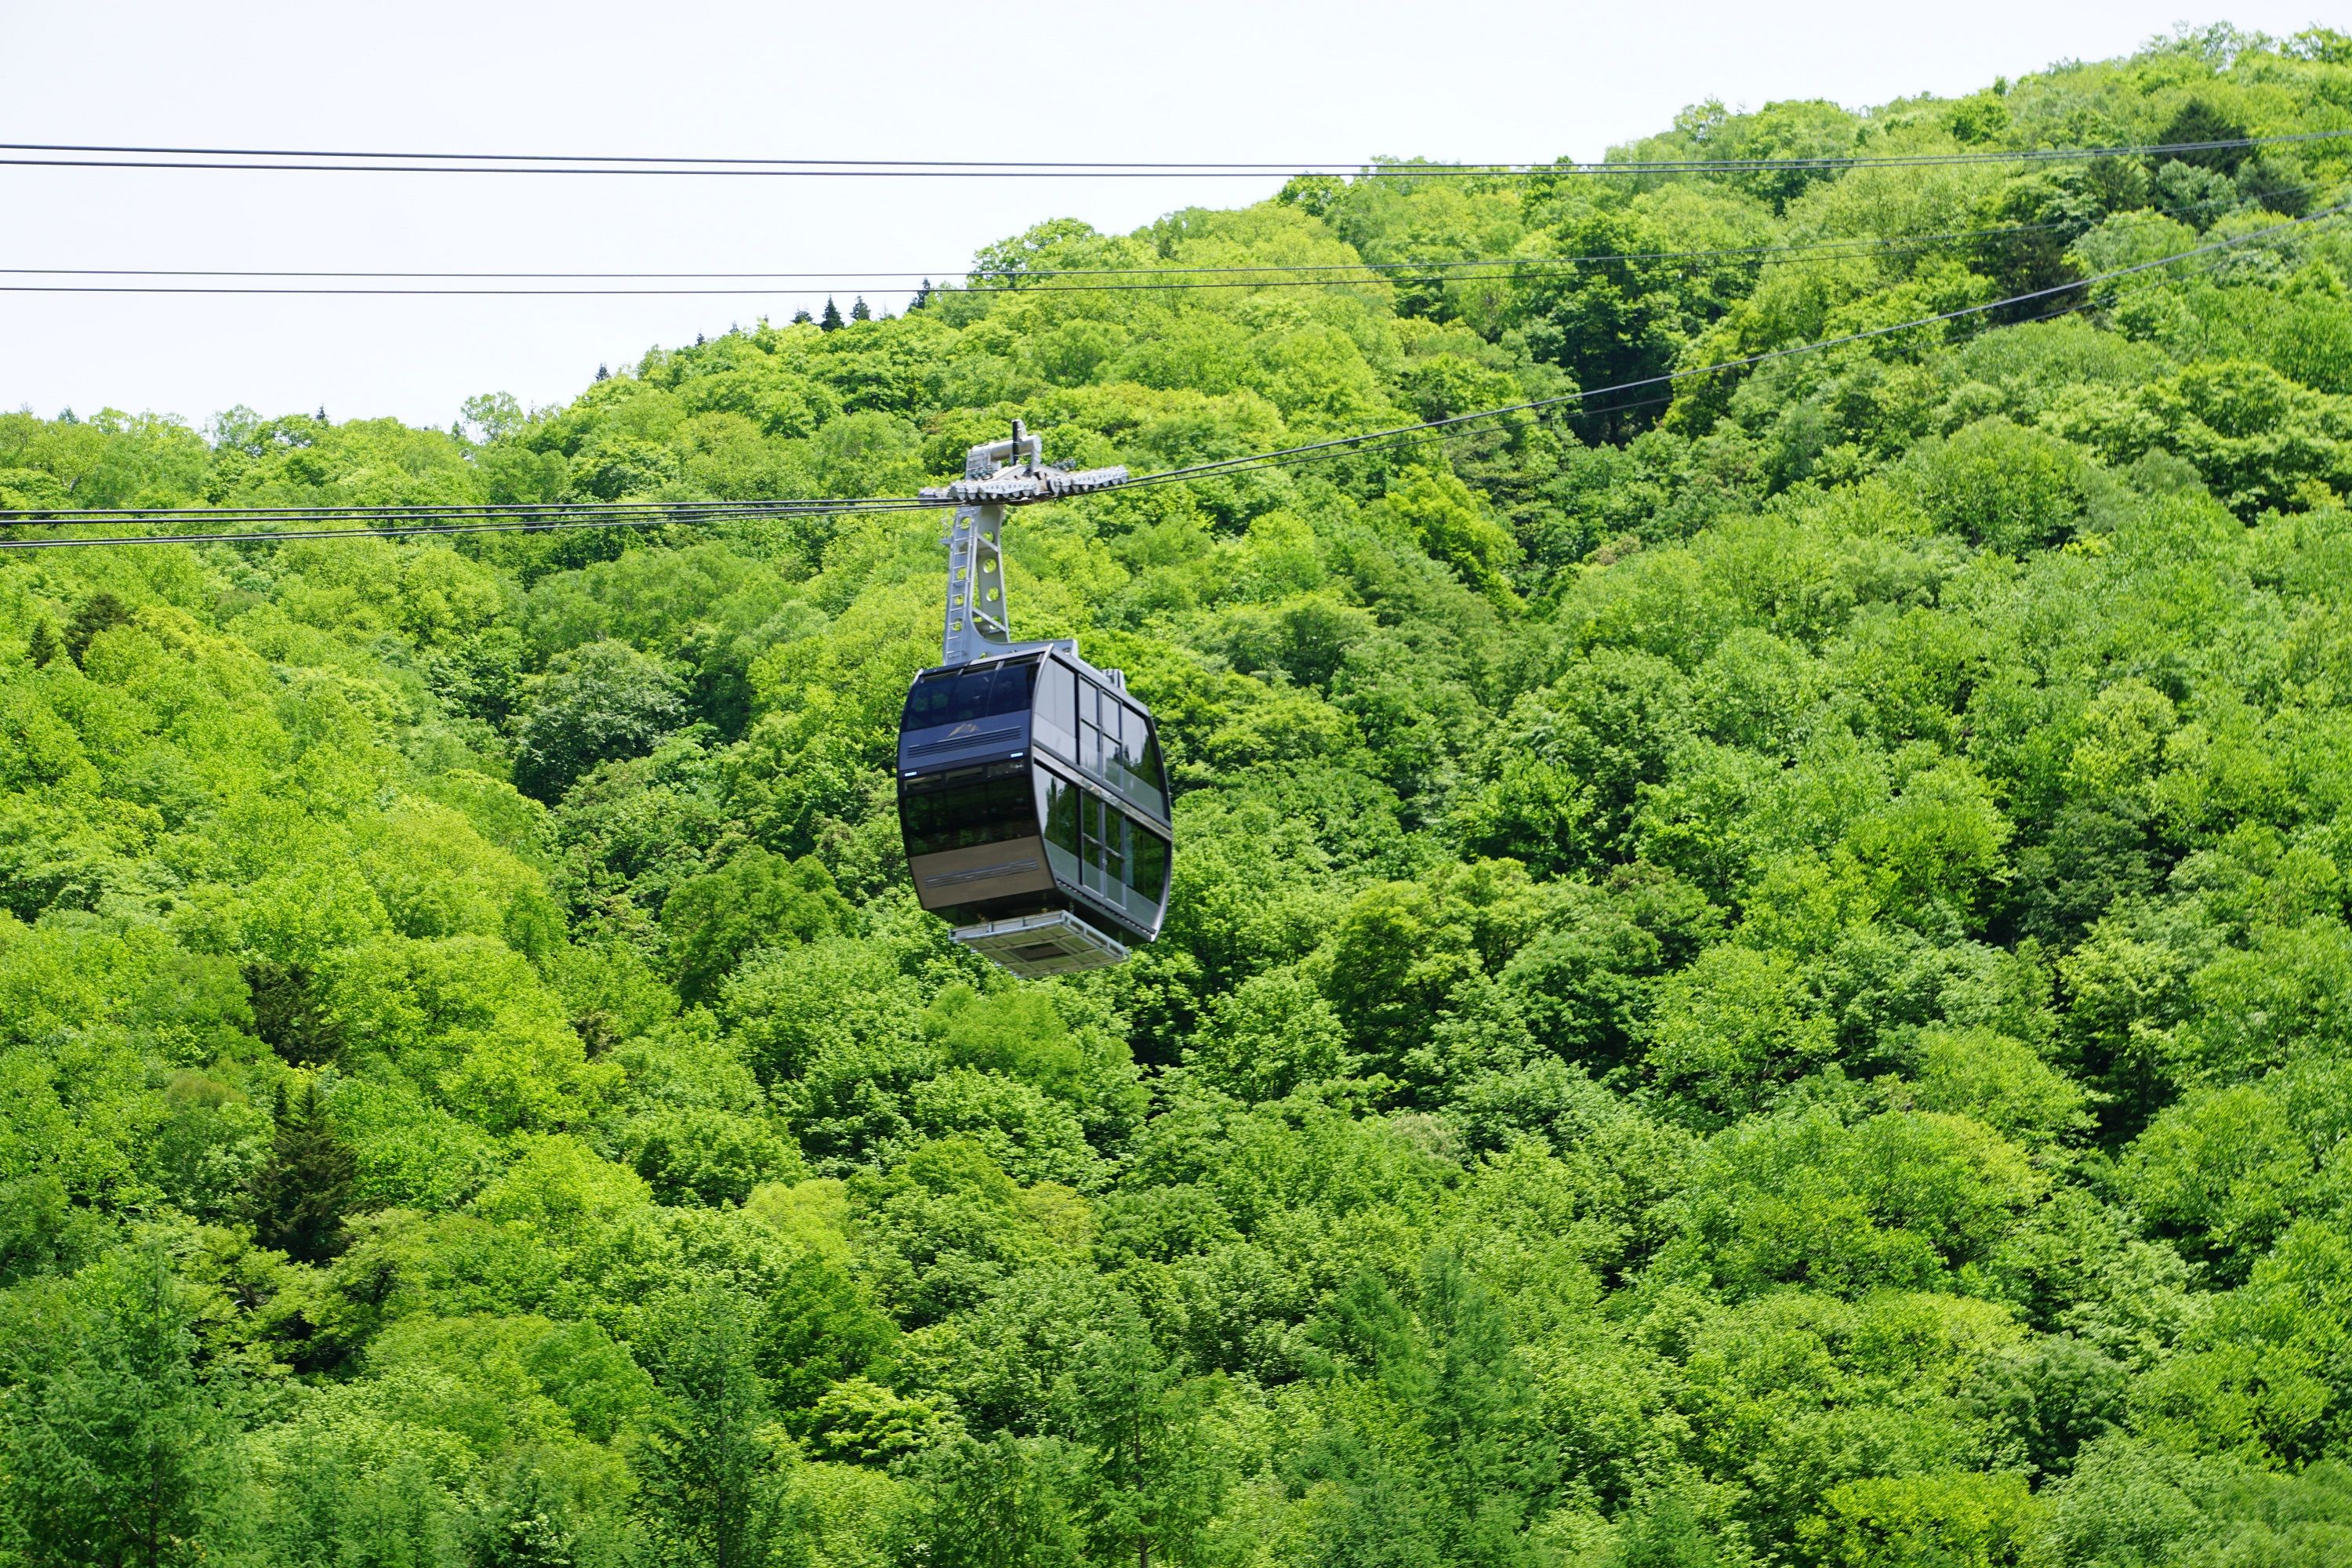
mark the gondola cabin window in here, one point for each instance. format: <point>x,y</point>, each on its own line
<point>1090,726</point>
<point>1093,707</point>
<point>968,806</point>
<point>1055,717</point>
<point>960,697</point>
<point>1113,855</point>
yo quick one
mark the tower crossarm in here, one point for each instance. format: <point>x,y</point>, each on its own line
<point>1021,484</point>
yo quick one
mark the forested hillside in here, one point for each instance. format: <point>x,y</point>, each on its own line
<point>1758,971</point>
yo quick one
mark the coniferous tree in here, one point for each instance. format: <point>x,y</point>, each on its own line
<point>300,1195</point>
<point>709,1495</point>
<point>999,1504</point>
<point>859,310</point>
<point>802,318</point>
<point>830,320</point>
<point>289,1013</point>
<point>112,1450</point>
<point>43,644</point>
<point>922,296</point>
<point>98,613</point>
<point>1152,1478</point>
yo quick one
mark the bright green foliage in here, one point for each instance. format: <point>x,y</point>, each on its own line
<point>998,1505</point>
<point>755,900</point>
<point>1760,973</point>
<point>117,1441</point>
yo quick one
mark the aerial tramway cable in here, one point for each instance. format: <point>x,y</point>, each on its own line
<point>1013,277</point>
<point>683,514</point>
<point>1235,465</point>
<point>984,282</point>
<point>28,155</point>
<point>392,518</point>
<point>1421,435</point>
<point>524,509</point>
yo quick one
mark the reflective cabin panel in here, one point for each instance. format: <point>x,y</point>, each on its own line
<point>1055,717</point>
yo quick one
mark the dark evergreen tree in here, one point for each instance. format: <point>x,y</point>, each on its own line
<point>802,318</point>
<point>301,1194</point>
<point>830,320</point>
<point>98,613</point>
<point>2202,119</point>
<point>859,310</point>
<point>43,644</point>
<point>289,1013</point>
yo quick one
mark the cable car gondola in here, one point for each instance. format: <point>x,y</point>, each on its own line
<point>1033,796</point>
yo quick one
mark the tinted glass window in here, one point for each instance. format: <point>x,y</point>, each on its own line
<point>1090,735</point>
<point>1147,862</point>
<point>928,702</point>
<point>1060,803</point>
<point>1009,693</point>
<point>1057,698</point>
<point>955,698</point>
<point>961,809</point>
<point>1135,732</point>
<point>950,699</point>
<point>1090,820</point>
<point>1133,763</point>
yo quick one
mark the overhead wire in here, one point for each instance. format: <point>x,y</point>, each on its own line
<point>454,508</point>
<point>1011,277</point>
<point>83,155</point>
<point>684,512</point>
<point>1502,269</point>
<point>1015,277</point>
<point>1282,455</point>
<point>1421,436</point>
<point>1220,468</point>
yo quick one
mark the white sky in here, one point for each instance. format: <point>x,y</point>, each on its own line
<point>1207,80</point>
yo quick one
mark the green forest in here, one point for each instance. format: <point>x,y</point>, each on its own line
<point>1759,969</point>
